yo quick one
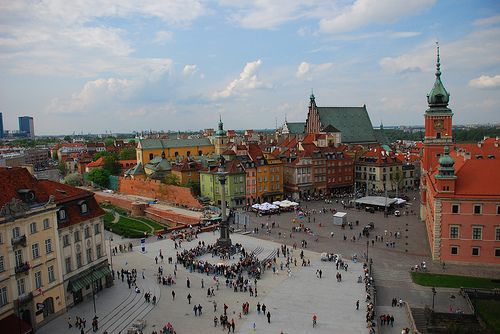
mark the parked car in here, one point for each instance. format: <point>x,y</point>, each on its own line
<point>370,209</point>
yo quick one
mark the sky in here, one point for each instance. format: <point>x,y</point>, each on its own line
<point>100,66</point>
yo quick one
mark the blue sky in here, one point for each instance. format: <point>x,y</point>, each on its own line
<point>119,66</point>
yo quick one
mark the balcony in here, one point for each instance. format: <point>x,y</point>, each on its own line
<point>24,299</point>
<point>20,240</point>
<point>23,267</point>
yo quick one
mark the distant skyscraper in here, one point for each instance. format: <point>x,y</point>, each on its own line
<point>1,125</point>
<point>27,126</point>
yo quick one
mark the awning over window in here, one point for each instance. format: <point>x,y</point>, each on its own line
<point>87,278</point>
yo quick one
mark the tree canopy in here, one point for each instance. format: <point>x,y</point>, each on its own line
<point>99,177</point>
<point>127,153</point>
<point>172,179</point>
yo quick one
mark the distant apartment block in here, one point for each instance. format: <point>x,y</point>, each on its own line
<point>27,126</point>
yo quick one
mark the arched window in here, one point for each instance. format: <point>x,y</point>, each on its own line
<point>188,153</point>
<point>200,153</point>
<point>151,156</point>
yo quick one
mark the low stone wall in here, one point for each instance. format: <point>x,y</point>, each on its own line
<point>180,196</point>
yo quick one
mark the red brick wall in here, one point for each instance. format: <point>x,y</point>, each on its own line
<point>155,189</point>
<point>122,203</point>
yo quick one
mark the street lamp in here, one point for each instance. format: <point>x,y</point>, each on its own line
<point>367,244</point>
<point>93,289</point>
<point>433,294</point>
<point>110,251</point>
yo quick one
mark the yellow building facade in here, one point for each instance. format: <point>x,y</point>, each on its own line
<point>31,283</point>
<point>173,149</point>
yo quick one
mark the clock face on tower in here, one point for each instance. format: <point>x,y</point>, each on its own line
<point>438,124</point>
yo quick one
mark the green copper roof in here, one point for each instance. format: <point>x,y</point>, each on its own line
<point>438,97</point>
<point>353,122</point>
<point>173,143</point>
<point>446,163</point>
<point>296,128</point>
<point>158,164</point>
<point>220,131</point>
<point>136,170</point>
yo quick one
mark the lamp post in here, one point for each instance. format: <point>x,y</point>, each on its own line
<point>367,244</point>
<point>110,251</point>
<point>433,295</point>
<point>93,289</point>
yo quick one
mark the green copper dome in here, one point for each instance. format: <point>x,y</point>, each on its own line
<point>438,96</point>
<point>446,160</point>
<point>220,131</point>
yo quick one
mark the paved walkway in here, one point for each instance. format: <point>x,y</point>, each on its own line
<point>291,300</point>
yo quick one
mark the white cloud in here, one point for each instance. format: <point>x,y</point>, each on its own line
<point>309,70</point>
<point>365,12</point>
<point>247,80</point>
<point>303,69</point>
<point>485,82</point>
<point>479,48</point>
<point>96,92</point>
<point>488,20</point>
<point>189,70</point>
<point>163,36</point>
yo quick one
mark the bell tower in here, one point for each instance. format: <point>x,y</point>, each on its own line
<point>220,140</point>
<point>438,122</point>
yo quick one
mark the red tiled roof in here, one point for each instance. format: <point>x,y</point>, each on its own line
<point>478,177</point>
<point>98,163</point>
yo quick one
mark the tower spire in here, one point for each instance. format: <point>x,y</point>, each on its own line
<point>438,62</point>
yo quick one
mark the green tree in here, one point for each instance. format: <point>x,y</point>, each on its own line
<point>104,154</point>
<point>195,187</point>
<point>110,141</point>
<point>127,153</point>
<point>63,169</point>
<point>74,179</point>
<point>172,179</point>
<point>99,176</point>
<point>111,165</point>
<point>54,156</point>
<point>67,138</point>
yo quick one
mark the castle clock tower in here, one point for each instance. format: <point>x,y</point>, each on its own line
<point>438,123</point>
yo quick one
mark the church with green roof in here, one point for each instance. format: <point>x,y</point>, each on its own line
<point>353,122</point>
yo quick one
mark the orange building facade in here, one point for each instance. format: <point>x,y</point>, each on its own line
<point>460,189</point>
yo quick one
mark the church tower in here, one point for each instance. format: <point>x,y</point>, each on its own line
<point>438,122</point>
<point>313,124</point>
<point>220,140</point>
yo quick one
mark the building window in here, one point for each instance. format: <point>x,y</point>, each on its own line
<point>87,232</point>
<point>16,232</point>
<point>52,276</point>
<point>61,214</point>
<point>477,233</point>
<point>455,208</point>
<point>3,296</point>
<point>33,228</point>
<point>475,251</point>
<point>2,265</point>
<point>66,240</point>
<point>38,279</point>
<point>477,209</point>
<point>498,211</point>
<point>84,208</point>
<point>97,229</point>
<point>497,252</point>
<point>98,251</point>
<point>89,255</point>
<point>35,251</point>
<point>77,236</point>
<point>21,289</point>
<point>78,260</point>
<point>48,246</point>
<point>454,232</point>
<point>18,255</point>
<point>67,262</point>
<point>497,234</point>
<point>46,224</point>
<point>454,250</point>
<point>176,154</point>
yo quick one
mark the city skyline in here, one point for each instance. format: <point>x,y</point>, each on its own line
<point>178,65</point>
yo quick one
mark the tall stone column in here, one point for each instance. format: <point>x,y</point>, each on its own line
<point>224,241</point>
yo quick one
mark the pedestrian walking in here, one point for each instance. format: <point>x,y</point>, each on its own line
<point>268,317</point>
<point>69,323</point>
<point>189,298</point>
<point>173,295</point>
<point>357,305</point>
<point>188,283</point>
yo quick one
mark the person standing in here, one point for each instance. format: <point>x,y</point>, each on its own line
<point>173,295</point>
<point>188,283</point>
<point>69,323</point>
<point>258,308</point>
<point>189,298</point>
<point>268,317</point>
<point>264,308</point>
<point>357,304</point>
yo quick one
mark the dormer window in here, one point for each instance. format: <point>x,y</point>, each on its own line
<point>61,214</point>
<point>84,208</point>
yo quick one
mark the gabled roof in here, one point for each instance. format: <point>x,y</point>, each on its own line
<point>353,122</point>
<point>98,163</point>
<point>173,143</point>
<point>158,164</point>
<point>296,127</point>
<point>136,170</point>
